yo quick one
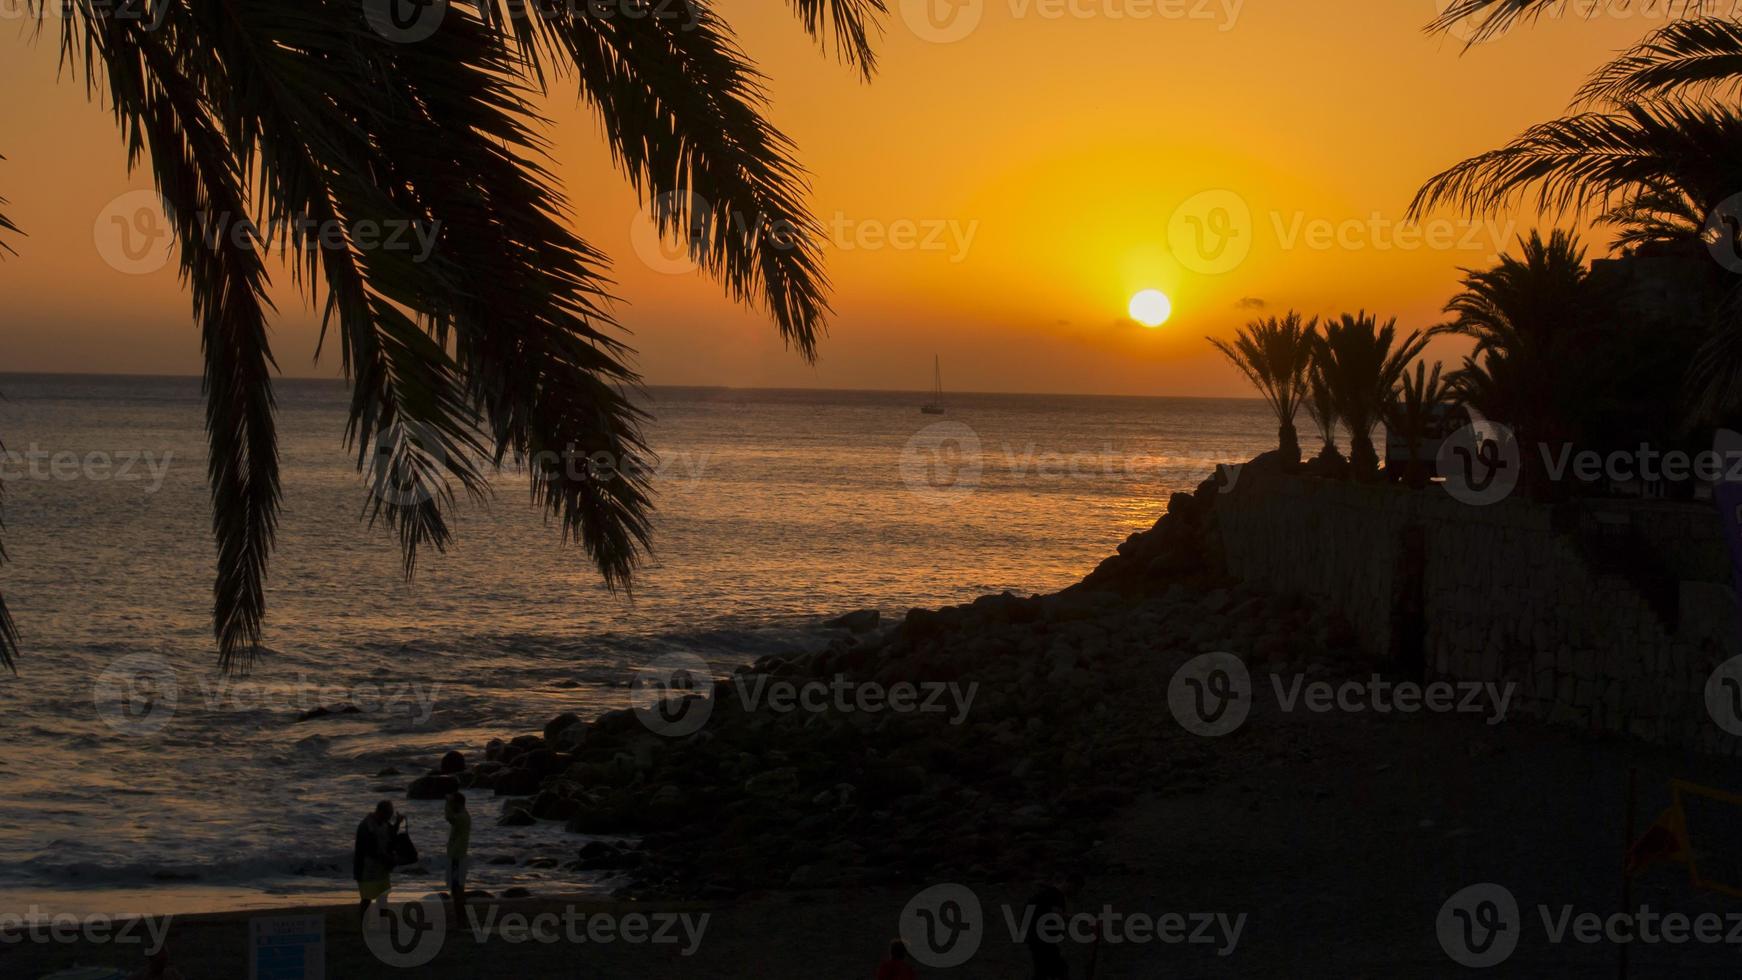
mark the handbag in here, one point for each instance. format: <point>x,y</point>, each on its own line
<point>403,851</point>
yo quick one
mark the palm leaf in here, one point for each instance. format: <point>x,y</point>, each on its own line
<point>165,119</point>
<point>1686,58</point>
<point>1491,18</point>
<point>289,120</point>
<point>1599,159</point>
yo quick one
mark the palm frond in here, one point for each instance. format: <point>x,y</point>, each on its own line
<point>1697,57</point>
<point>1488,19</point>
<point>1714,377</point>
<point>6,225</point>
<point>166,119</point>
<point>683,112</point>
<point>1598,159</point>
<point>8,628</point>
<point>854,24</point>
<point>291,121</point>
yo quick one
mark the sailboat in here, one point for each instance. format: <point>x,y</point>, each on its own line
<point>936,405</point>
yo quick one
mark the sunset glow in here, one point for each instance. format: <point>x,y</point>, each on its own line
<point>966,210</point>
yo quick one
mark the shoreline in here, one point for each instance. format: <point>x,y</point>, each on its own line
<point>1338,833</point>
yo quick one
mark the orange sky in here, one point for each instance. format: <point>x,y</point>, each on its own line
<point>1045,155</point>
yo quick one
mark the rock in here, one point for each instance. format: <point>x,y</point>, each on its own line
<point>542,761</point>
<point>518,782</point>
<point>434,786</point>
<point>666,808</point>
<point>859,621</point>
<point>561,723</point>
<point>517,892</point>
<point>516,818</point>
<point>807,876</point>
<point>453,762</point>
<point>772,783</point>
<point>550,805</point>
<point>389,771</point>
<point>325,712</point>
<point>500,860</point>
<point>600,856</point>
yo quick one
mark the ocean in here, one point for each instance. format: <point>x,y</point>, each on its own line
<point>776,510</point>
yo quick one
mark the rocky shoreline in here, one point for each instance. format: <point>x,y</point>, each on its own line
<point>1050,715</point>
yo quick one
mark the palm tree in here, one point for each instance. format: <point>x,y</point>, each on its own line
<point>1274,354</point>
<point>1409,411</point>
<point>1537,320</point>
<point>1322,409</point>
<point>1659,151</point>
<point>1534,313</point>
<point>1360,361</point>
<point>287,119</point>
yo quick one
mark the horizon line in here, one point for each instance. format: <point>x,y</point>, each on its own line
<point>700,387</point>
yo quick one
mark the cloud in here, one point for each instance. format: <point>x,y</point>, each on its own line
<point>1250,303</point>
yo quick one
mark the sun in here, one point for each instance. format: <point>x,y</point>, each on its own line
<point>1151,308</point>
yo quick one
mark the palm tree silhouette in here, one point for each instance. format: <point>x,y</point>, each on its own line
<point>1409,412</point>
<point>1321,407</point>
<point>1359,361</point>
<point>1274,354</point>
<point>278,118</point>
<point>1532,317</point>
<point>1655,148</point>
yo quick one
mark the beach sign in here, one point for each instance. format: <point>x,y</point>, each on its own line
<point>290,947</point>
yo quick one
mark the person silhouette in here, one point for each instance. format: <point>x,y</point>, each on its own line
<point>1047,910</point>
<point>372,856</point>
<point>896,965</point>
<point>459,847</point>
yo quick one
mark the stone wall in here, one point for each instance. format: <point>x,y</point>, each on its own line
<point>1606,614</point>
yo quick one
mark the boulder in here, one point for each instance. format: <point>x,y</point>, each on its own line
<point>561,723</point>
<point>858,621</point>
<point>324,712</point>
<point>517,782</point>
<point>453,762</point>
<point>516,817</point>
